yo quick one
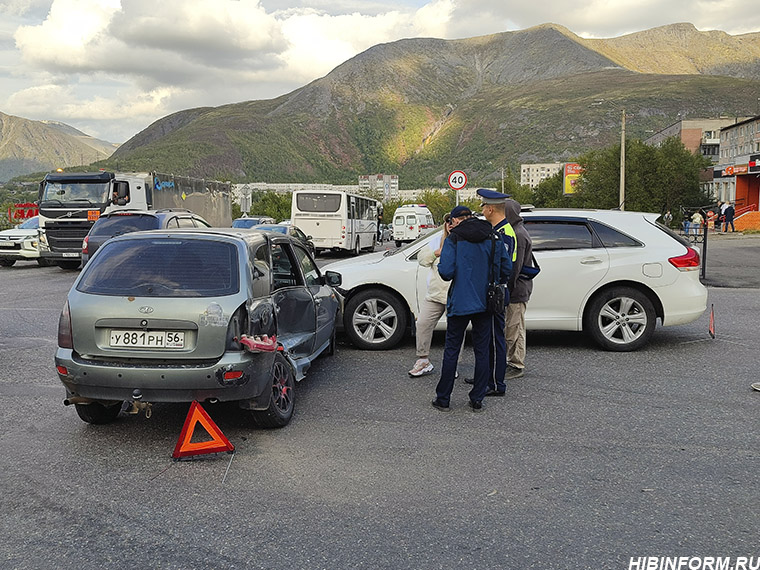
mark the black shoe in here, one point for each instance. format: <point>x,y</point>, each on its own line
<point>476,406</point>
<point>498,393</point>
<point>469,380</point>
<point>438,405</point>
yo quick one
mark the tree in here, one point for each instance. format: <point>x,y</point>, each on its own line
<point>657,179</point>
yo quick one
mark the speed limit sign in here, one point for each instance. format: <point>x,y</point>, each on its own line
<point>457,180</point>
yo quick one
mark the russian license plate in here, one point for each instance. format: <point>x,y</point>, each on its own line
<point>147,339</point>
<point>70,255</point>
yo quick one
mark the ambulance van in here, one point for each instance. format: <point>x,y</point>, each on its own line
<point>410,222</point>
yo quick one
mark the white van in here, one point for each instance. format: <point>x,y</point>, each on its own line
<point>410,222</point>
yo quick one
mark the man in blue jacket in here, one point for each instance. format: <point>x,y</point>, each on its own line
<point>466,262</point>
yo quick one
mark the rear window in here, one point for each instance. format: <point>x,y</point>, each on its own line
<point>163,267</point>
<point>123,224</point>
<point>318,202</point>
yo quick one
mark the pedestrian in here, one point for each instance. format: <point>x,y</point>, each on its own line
<point>470,257</point>
<point>728,218</point>
<point>696,222</point>
<point>667,218</point>
<point>492,207</point>
<point>433,305</point>
<point>520,288</point>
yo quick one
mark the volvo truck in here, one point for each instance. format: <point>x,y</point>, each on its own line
<point>71,202</point>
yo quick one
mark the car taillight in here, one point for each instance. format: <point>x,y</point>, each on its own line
<point>65,339</point>
<point>689,261</point>
<point>84,245</point>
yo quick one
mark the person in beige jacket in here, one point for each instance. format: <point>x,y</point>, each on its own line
<point>434,303</point>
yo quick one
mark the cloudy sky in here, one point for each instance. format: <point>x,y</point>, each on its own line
<point>111,67</point>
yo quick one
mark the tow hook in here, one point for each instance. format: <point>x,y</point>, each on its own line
<point>135,407</point>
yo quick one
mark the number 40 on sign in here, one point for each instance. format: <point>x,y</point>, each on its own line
<point>457,180</point>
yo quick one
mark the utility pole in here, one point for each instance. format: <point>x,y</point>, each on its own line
<point>502,179</point>
<point>622,165</point>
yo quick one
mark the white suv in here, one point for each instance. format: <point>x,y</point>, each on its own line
<point>609,273</point>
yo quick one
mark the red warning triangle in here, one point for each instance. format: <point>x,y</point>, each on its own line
<point>218,443</point>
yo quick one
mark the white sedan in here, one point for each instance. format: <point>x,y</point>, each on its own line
<point>21,243</point>
<point>608,273</point>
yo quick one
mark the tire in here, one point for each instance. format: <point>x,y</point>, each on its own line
<point>375,320</point>
<point>398,243</point>
<point>97,413</point>
<point>281,398</point>
<point>7,262</point>
<point>620,319</point>
<point>69,265</point>
<point>357,248</point>
<point>42,262</point>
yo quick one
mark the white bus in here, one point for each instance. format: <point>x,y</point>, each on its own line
<point>336,220</point>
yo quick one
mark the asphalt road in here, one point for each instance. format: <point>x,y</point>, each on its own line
<point>591,459</point>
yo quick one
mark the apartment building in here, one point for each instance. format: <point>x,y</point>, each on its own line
<point>737,175</point>
<point>697,135</point>
<point>532,174</point>
<point>384,184</point>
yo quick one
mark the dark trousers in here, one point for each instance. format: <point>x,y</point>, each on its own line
<point>498,354</point>
<point>482,325</point>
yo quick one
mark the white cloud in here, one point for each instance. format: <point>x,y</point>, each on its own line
<point>118,65</point>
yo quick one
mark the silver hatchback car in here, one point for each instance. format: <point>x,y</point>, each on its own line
<point>205,314</point>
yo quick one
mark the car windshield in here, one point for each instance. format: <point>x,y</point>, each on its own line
<point>272,228</point>
<point>246,222</point>
<point>30,224</point>
<point>415,243</point>
<point>122,224</point>
<point>163,267</point>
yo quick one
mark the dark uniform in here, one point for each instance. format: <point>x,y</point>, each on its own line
<point>504,230</point>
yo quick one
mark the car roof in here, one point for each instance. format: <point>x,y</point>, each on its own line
<point>239,234</point>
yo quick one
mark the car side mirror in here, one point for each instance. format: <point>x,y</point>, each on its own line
<point>333,278</point>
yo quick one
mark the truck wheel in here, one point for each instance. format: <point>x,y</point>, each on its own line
<point>282,396</point>
<point>69,265</point>
<point>42,262</point>
<point>620,319</point>
<point>357,247</point>
<point>6,262</point>
<point>398,243</point>
<point>97,413</point>
<point>375,320</point>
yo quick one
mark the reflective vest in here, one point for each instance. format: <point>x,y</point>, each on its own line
<point>509,238</point>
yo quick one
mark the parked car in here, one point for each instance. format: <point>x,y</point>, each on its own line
<point>21,243</point>
<point>249,222</point>
<point>611,274</point>
<point>125,221</point>
<point>292,231</point>
<point>202,314</point>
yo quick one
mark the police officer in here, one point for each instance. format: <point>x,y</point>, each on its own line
<point>492,206</point>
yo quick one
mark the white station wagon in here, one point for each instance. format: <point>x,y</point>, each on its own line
<point>608,273</point>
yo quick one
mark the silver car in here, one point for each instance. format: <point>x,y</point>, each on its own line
<point>205,314</point>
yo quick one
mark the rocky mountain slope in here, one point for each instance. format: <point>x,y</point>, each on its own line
<point>32,146</point>
<point>423,107</point>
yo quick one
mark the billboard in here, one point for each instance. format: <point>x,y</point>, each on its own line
<point>572,172</point>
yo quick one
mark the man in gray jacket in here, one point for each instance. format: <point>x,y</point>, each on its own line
<point>520,289</point>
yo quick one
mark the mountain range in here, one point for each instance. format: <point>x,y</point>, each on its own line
<point>423,107</point>
<point>32,146</point>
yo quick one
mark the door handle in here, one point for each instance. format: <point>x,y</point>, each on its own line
<point>590,260</point>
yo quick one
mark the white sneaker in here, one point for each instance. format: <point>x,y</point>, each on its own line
<point>421,367</point>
